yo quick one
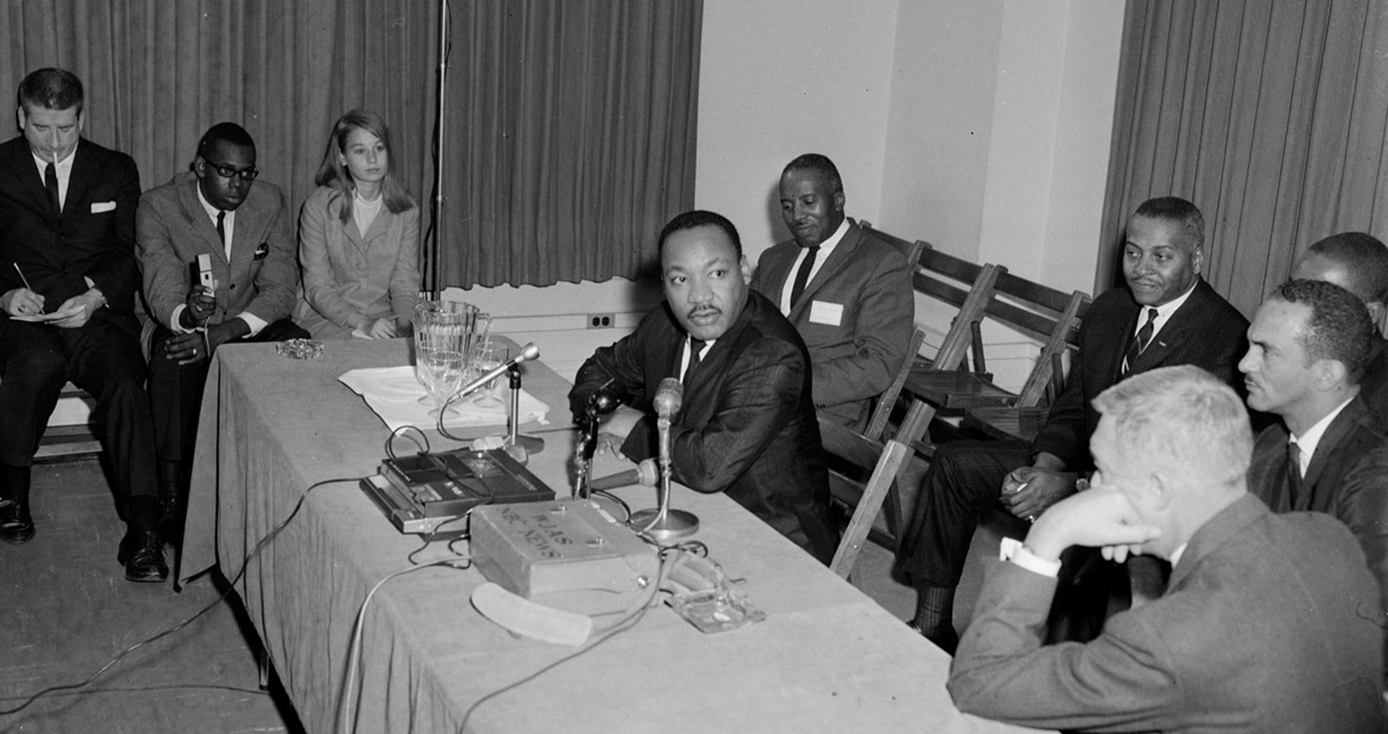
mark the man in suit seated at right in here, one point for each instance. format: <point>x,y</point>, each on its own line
<point>1307,349</point>
<point>1262,628</point>
<point>1357,262</point>
<point>1166,315</point>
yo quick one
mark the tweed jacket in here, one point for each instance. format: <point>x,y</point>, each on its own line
<point>259,278</point>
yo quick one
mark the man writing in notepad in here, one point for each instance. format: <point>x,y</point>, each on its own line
<point>68,281</point>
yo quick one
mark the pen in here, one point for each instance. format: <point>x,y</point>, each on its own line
<point>22,278</point>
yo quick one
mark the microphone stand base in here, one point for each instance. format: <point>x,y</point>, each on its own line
<point>532,444</point>
<point>676,525</point>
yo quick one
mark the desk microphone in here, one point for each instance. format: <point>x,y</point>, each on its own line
<point>662,523</point>
<point>529,351</point>
<point>644,474</point>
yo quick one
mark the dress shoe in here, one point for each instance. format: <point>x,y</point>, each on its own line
<point>947,640</point>
<point>142,554</point>
<point>16,525</point>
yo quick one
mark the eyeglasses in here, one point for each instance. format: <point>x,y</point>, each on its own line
<point>225,171</point>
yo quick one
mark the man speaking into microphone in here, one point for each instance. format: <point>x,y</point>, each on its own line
<point>746,421</point>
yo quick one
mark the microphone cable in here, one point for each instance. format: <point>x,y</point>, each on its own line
<point>158,636</point>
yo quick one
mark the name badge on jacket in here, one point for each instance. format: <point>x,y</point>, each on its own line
<point>262,251</point>
<point>829,314</point>
<point>101,207</point>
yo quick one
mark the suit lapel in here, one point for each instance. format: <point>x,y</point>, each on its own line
<point>838,259</point>
<point>32,180</point>
<point>1173,333</point>
<point>778,273</point>
<point>202,225</point>
<point>83,173</point>
<point>1330,440</point>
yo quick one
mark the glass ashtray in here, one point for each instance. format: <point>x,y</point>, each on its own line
<point>300,348</point>
<point>716,610</point>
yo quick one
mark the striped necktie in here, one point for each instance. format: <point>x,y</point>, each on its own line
<point>1139,344</point>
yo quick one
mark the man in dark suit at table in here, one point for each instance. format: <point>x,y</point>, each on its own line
<point>1166,315</point>
<point>1357,262</point>
<point>1261,628</point>
<point>67,245</point>
<point>848,294</point>
<point>1307,349</point>
<point>244,229</point>
<point>746,425</point>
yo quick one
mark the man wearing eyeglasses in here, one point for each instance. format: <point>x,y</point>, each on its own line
<point>241,230</point>
<point>68,284</point>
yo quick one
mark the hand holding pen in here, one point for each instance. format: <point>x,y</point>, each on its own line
<point>22,301</point>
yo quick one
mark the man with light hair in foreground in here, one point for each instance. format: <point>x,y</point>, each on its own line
<point>1262,627</point>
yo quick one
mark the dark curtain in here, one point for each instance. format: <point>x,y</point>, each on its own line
<point>1270,115</point>
<point>569,126</point>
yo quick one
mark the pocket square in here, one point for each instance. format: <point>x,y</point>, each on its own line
<point>103,206</point>
<point>262,251</point>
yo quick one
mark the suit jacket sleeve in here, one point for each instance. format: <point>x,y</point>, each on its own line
<point>885,318</point>
<point>405,279</point>
<point>318,223</point>
<point>1363,506</point>
<point>277,281</point>
<point>1121,681</point>
<point>758,394</point>
<point>622,364</point>
<point>117,274</point>
<point>165,274</point>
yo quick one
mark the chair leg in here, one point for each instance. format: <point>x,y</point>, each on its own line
<point>263,666</point>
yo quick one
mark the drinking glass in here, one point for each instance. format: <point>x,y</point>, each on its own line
<point>443,374</point>
<point>488,357</point>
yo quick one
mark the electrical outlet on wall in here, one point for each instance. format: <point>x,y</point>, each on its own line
<point>600,321</point>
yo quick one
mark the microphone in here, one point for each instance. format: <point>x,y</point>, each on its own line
<point>668,398</point>
<point>527,352</point>
<point>667,402</point>
<point>644,474</point>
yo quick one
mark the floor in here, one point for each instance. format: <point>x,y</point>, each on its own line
<point>67,611</point>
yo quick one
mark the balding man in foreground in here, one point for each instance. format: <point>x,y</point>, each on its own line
<point>1260,629</point>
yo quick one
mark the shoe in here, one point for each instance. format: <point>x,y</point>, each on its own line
<point>142,554</point>
<point>947,640</point>
<point>16,525</point>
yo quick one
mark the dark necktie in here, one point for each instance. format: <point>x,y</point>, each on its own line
<point>1293,472</point>
<point>1144,337</point>
<point>802,276</point>
<point>50,182</point>
<point>696,348</point>
<point>221,229</point>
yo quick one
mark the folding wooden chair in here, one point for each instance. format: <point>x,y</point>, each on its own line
<point>887,463</point>
<point>1035,310</point>
<point>67,441</point>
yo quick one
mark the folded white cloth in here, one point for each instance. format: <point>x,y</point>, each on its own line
<point>394,393</point>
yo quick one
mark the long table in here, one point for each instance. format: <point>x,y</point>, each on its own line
<point>826,659</point>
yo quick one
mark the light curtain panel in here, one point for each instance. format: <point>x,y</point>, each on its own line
<point>1270,115</point>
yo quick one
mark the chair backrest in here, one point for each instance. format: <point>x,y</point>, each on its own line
<point>912,250</point>
<point>965,285</point>
<point>1050,316</point>
<point>886,462</point>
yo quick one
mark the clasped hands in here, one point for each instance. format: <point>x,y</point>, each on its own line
<point>1030,490</point>
<point>615,427</point>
